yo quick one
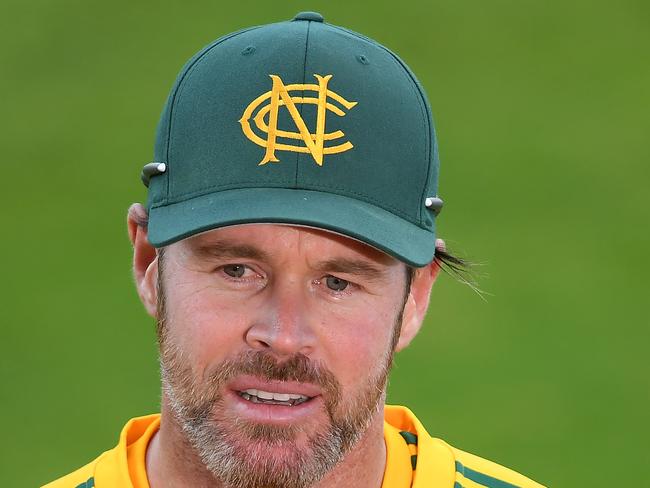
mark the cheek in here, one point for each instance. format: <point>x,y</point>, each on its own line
<point>357,341</point>
<point>207,327</point>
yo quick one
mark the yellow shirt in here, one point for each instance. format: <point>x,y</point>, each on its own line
<point>414,459</point>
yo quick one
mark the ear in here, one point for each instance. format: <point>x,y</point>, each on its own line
<point>145,259</point>
<point>417,302</point>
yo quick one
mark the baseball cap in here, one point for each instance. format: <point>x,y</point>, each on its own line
<point>298,122</point>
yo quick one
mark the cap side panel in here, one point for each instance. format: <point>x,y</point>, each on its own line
<point>208,148</point>
<point>168,111</point>
<point>387,127</point>
<point>427,185</point>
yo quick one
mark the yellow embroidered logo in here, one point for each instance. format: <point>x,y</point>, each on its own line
<point>280,96</point>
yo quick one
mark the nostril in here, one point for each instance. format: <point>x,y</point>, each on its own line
<point>261,344</point>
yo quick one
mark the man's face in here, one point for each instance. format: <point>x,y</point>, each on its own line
<point>275,346</point>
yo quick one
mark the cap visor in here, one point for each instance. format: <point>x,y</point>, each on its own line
<point>362,221</point>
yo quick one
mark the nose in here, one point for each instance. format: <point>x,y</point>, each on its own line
<point>282,325</point>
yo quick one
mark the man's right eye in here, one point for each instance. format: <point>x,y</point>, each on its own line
<point>234,270</point>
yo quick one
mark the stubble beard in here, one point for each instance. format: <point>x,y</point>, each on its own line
<point>242,454</point>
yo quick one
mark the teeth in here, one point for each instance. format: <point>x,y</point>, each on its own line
<point>261,396</point>
<point>264,395</point>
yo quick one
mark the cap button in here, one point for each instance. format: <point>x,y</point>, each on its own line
<point>313,16</point>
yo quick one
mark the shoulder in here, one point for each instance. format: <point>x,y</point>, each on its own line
<point>436,463</point>
<point>81,478</point>
<point>471,469</point>
<point>113,467</point>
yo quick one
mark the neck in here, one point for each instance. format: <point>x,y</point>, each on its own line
<point>364,464</point>
<point>172,462</point>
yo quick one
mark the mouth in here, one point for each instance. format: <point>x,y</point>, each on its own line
<point>273,398</point>
<point>275,402</point>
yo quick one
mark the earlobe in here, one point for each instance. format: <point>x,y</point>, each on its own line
<point>148,290</point>
<point>410,324</point>
<point>145,260</point>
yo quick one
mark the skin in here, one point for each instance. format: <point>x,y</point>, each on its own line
<point>282,305</point>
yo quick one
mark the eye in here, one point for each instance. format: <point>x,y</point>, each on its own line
<point>336,284</point>
<point>234,270</point>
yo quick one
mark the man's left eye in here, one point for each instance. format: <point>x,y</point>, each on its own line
<point>336,284</point>
<point>234,270</point>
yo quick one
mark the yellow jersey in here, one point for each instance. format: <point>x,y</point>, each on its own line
<point>414,459</point>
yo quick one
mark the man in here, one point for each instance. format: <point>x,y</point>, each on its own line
<point>287,250</point>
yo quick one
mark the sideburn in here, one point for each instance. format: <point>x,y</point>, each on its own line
<point>162,299</point>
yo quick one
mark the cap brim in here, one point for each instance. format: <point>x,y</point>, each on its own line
<point>351,217</point>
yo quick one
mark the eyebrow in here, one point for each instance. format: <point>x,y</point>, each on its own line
<point>352,266</point>
<point>224,249</point>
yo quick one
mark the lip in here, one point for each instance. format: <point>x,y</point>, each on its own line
<point>247,382</point>
<point>274,414</point>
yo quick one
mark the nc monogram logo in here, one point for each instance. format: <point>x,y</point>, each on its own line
<point>314,143</point>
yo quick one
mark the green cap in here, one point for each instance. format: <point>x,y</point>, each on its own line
<point>303,123</point>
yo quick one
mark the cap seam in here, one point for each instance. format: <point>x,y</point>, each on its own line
<point>302,105</point>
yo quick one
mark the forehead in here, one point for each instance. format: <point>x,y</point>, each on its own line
<point>279,239</point>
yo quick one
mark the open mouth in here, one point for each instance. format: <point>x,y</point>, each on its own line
<point>272,398</point>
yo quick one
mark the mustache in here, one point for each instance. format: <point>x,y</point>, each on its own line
<point>298,368</point>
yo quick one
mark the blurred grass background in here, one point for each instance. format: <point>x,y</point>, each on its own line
<point>543,122</point>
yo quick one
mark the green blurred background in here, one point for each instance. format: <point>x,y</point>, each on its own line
<point>543,122</point>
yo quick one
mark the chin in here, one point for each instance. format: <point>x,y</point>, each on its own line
<point>288,461</point>
<point>260,455</point>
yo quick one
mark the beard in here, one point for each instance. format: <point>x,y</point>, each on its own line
<point>243,454</point>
